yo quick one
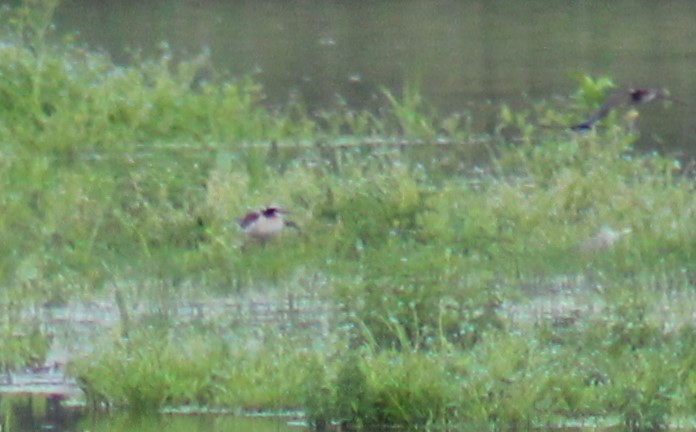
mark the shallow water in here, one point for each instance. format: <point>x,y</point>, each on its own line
<point>80,326</point>
<point>40,413</point>
<point>469,55</point>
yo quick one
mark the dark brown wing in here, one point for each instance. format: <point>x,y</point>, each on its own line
<point>624,96</point>
<point>619,97</point>
<point>248,219</point>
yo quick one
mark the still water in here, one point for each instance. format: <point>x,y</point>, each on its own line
<point>37,413</point>
<point>469,55</point>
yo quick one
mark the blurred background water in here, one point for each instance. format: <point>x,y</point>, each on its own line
<point>468,55</point>
<point>38,412</point>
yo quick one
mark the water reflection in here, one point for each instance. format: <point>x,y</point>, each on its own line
<point>35,413</point>
<point>202,423</point>
<point>29,413</point>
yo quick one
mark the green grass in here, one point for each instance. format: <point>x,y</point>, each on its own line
<point>117,176</point>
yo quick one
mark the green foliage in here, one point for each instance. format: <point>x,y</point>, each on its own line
<point>22,345</point>
<point>409,113</point>
<point>389,389</point>
<point>157,367</point>
<point>354,405</point>
<point>123,174</point>
<point>592,91</point>
<point>418,299</point>
<point>319,398</point>
<point>148,371</point>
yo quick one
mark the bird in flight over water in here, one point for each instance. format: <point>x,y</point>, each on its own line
<point>624,96</point>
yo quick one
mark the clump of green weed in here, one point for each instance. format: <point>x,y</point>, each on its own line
<point>418,300</point>
<point>156,367</point>
<point>144,373</point>
<point>319,396</point>
<point>22,345</point>
<point>388,389</point>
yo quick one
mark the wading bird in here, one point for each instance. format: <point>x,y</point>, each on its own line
<point>264,224</point>
<point>624,96</point>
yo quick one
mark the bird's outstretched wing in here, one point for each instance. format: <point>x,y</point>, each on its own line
<point>615,99</point>
<point>248,219</point>
<point>624,96</point>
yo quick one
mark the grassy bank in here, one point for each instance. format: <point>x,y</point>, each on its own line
<point>425,243</point>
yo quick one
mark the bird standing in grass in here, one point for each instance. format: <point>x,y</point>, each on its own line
<point>265,224</point>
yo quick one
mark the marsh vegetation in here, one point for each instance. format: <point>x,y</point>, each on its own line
<point>441,277</point>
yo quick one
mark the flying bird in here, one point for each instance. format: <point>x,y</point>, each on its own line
<point>264,224</point>
<point>625,96</point>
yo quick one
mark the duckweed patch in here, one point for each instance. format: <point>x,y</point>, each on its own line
<point>443,291</point>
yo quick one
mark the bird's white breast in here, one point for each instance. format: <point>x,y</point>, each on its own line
<point>265,227</point>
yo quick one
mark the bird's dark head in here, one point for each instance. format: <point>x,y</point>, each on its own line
<point>639,95</point>
<point>272,211</point>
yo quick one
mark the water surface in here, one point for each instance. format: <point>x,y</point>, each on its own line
<point>37,413</point>
<point>469,55</point>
